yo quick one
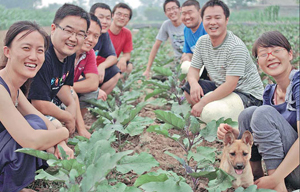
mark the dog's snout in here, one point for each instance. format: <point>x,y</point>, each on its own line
<point>239,166</point>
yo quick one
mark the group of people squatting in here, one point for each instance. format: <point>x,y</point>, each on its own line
<point>45,81</point>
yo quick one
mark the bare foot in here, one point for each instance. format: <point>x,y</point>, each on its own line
<point>84,133</point>
<point>27,190</point>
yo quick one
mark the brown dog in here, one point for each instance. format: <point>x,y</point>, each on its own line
<point>235,159</point>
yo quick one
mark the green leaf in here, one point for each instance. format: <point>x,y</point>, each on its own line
<point>59,176</point>
<point>37,153</point>
<point>203,154</point>
<point>139,163</point>
<point>160,129</point>
<point>98,124</point>
<point>99,103</point>
<point>102,113</point>
<point>97,172</point>
<point>206,174</point>
<point>90,152</point>
<point>62,152</point>
<point>163,71</point>
<point>168,185</point>
<point>221,183</point>
<point>210,131</point>
<point>130,96</point>
<point>231,123</point>
<point>116,127</point>
<point>182,77</point>
<point>195,125</point>
<point>106,134</point>
<point>119,187</point>
<point>170,118</point>
<point>137,125</point>
<point>155,92</point>
<point>150,177</point>
<point>175,137</point>
<point>134,113</point>
<point>161,85</point>
<point>183,109</point>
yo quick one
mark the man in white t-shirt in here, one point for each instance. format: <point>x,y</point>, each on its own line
<point>171,28</point>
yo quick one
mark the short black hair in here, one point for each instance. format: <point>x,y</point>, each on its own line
<point>190,3</point>
<point>99,5</point>
<point>168,1</point>
<point>271,39</point>
<point>212,3</point>
<point>124,6</point>
<point>71,10</point>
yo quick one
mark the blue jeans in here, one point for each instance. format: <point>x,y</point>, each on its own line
<point>273,137</point>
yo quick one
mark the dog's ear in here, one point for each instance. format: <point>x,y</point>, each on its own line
<point>247,138</point>
<point>229,138</point>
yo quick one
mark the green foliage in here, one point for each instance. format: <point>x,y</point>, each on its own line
<point>221,183</point>
<point>10,16</point>
<point>95,161</point>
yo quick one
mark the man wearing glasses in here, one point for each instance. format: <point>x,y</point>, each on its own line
<point>171,28</point>
<point>51,87</point>
<point>121,36</point>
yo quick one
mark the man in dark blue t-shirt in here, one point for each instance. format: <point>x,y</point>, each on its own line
<point>55,78</point>
<point>109,73</point>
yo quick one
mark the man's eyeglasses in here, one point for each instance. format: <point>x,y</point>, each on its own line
<point>126,16</point>
<point>172,9</point>
<point>264,56</point>
<point>70,32</point>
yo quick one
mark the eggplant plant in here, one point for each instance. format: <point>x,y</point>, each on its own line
<point>95,161</point>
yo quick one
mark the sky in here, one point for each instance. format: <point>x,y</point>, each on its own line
<point>132,3</point>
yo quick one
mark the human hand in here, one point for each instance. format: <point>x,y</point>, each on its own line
<point>196,92</point>
<point>146,74</point>
<point>101,73</point>
<point>223,129</point>
<point>102,95</point>
<point>68,150</point>
<point>268,182</point>
<point>185,57</point>
<point>122,65</point>
<point>197,109</point>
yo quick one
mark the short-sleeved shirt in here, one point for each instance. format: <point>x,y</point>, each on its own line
<point>190,38</point>
<point>104,48</point>
<point>86,64</point>
<point>122,42</point>
<point>168,30</point>
<point>291,115</point>
<point>231,58</point>
<point>52,76</point>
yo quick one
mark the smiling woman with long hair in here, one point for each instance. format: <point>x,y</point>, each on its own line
<point>275,125</point>
<point>21,125</point>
